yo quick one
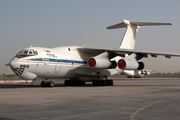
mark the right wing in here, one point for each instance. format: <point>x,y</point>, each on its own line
<point>122,52</point>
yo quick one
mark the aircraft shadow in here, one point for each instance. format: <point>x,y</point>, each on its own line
<point>2,86</point>
<point>16,86</point>
<point>2,118</point>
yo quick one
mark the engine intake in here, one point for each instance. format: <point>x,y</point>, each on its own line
<point>130,64</point>
<point>99,62</point>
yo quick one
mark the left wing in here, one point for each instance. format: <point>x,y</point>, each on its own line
<point>123,52</point>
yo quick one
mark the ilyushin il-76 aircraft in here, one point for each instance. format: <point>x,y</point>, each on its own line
<point>80,64</point>
<point>136,73</point>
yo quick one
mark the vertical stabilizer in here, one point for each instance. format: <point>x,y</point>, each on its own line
<point>129,39</point>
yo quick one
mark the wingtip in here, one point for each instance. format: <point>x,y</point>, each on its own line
<point>170,23</point>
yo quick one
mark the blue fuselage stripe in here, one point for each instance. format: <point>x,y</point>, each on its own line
<point>58,60</point>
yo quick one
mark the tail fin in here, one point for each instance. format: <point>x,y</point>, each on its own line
<point>129,38</point>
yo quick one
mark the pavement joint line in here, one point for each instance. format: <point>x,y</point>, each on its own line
<point>132,117</point>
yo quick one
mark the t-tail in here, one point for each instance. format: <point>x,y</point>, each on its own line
<point>129,38</point>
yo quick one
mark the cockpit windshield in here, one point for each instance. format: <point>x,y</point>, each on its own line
<point>27,52</point>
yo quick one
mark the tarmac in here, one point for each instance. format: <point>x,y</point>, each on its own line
<point>128,99</point>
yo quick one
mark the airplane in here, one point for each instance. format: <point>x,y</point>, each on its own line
<point>136,73</point>
<point>80,64</point>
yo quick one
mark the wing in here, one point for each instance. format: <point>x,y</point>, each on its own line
<point>122,52</point>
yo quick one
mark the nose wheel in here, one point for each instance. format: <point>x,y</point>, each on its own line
<point>47,84</point>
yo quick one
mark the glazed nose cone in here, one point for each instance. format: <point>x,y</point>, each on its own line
<point>14,63</point>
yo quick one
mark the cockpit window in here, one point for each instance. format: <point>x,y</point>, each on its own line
<point>36,53</point>
<point>27,52</point>
<point>30,52</point>
<point>21,52</point>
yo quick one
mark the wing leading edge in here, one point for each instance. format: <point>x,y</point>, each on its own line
<point>122,52</point>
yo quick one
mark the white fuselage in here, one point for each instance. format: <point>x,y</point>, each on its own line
<point>83,63</point>
<point>59,62</point>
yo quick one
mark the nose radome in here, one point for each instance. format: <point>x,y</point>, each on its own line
<point>14,63</point>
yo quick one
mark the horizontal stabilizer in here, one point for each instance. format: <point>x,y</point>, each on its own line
<point>127,22</point>
<point>129,38</point>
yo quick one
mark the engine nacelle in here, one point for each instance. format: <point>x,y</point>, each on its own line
<point>130,64</point>
<point>99,62</point>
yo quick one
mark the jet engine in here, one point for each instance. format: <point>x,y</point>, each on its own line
<point>99,62</point>
<point>130,64</point>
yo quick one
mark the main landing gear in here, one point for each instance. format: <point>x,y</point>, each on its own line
<point>102,83</point>
<point>94,83</point>
<point>78,83</point>
<point>47,83</point>
<point>73,83</point>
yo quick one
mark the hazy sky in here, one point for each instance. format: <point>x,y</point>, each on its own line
<point>52,23</point>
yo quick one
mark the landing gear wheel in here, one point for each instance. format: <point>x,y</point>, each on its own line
<point>96,83</point>
<point>50,84</point>
<point>103,82</point>
<point>79,83</point>
<point>110,82</point>
<point>67,82</point>
<point>129,77</point>
<point>43,84</point>
<point>83,83</point>
<point>47,84</point>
